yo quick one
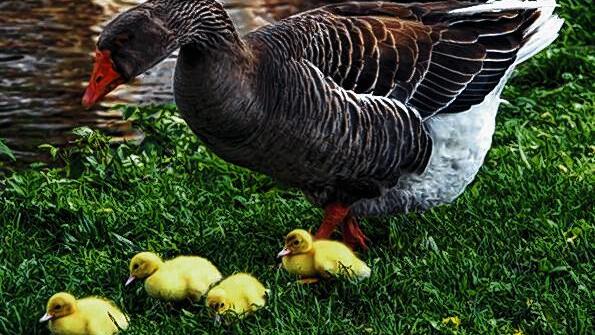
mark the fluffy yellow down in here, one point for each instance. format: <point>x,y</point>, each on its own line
<point>87,316</point>
<point>322,258</point>
<point>239,294</point>
<point>184,277</point>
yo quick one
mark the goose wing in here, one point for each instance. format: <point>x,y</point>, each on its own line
<point>436,57</point>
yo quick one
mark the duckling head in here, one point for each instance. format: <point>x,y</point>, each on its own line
<point>217,301</point>
<point>60,304</point>
<point>298,241</point>
<point>143,265</point>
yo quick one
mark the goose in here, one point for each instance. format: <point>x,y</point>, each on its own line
<point>369,108</point>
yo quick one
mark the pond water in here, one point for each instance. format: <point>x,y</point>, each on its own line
<point>46,49</point>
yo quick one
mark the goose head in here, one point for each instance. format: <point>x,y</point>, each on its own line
<point>141,37</point>
<point>129,45</point>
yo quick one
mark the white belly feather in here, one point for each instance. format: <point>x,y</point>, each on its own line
<point>461,142</point>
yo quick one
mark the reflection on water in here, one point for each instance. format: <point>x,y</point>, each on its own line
<point>46,52</point>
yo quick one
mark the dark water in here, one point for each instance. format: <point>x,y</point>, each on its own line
<point>46,49</point>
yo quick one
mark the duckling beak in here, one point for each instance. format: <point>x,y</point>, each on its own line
<point>46,317</point>
<point>284,252</point>
<point>130,280</point>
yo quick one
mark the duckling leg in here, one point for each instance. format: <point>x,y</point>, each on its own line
<point>353,235</point>
<point>333,216</point>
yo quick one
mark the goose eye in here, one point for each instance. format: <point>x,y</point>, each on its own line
<point>122,39</point>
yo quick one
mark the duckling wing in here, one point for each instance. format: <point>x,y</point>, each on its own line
<point>200,274</point>
<point>334,259</point>
<point>116,316</point>
<point>203,268</point>
<point>256,295</point>
<point>196,267</point>
<point>102,316</point>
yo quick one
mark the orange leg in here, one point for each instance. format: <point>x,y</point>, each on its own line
<point>353,235</point>
<point>334,214</point>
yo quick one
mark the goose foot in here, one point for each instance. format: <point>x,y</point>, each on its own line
<point>334,214</point>
<point>353,235</point>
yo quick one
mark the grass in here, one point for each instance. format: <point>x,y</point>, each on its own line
<point>514,254</point>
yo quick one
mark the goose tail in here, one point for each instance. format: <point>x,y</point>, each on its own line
<point>541,34</point>
<point>504,5</point>
<point>538,36</point>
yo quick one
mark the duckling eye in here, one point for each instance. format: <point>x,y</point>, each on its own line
<point>296,242</point>
<point>58,307</point>
<point>135,266</point>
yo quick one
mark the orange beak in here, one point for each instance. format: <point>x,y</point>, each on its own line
<point>103,80</point>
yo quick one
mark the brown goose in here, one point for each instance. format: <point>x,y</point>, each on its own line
<point>370,108</point>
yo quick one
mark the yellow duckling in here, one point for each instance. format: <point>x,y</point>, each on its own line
<point>87,316</point>
<point>239,294</point>
<point>176,279</point>
<point>321,258</point>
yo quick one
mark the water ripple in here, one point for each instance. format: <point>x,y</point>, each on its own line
<point>46,50</point>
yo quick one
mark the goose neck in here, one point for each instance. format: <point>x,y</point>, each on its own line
<point>201,24</point>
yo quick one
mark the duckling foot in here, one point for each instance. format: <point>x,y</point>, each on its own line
<point>308,281</point>
<point>353,235</point>
<point>334,214</point>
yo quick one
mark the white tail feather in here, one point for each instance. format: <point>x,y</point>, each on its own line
<point>543,35</point>
<point>498,6</point>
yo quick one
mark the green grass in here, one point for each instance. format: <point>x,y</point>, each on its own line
<point>514,252</point>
